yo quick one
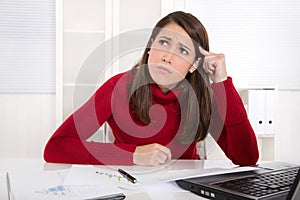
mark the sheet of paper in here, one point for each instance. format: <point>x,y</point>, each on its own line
<point>161,176</point>
<point>175,165</point>
<point>22,184</point>
<point>50,185</point>
<point>158,191</point>
<point>100,175</point>
<point>74,192</point>
<point>179,169</point>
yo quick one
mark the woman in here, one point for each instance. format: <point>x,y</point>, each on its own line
<point>162,107</point>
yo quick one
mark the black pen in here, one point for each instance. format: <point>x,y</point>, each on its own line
<point>127,176</point>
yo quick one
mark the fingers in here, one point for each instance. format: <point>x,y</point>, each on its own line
<point>209,64</point>
<point>162,154</point>
<point>214,65</point>
<point>152,154</point>
<point>166,151</point>
<point>203,51</point>
<point>161,158</point>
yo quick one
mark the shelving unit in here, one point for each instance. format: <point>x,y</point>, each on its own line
<point>261,105</point>
<point>83,27</point>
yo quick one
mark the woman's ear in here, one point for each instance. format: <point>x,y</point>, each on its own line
<point>151,41</point>
<point>195,65</point>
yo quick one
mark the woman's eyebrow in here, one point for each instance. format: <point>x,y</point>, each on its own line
<point>180,43</point>
<point>166,37</point>
<point>183,45</point>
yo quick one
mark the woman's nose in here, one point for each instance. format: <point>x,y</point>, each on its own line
<point>167,57</point>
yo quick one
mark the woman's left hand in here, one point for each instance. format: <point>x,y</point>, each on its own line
<point>214,65</point>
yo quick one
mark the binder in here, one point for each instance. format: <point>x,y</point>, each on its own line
<point>249,100</point>
<point>261,110</point>
<point>270,111</point>
<point>260,113</point>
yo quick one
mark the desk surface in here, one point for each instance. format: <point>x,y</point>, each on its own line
<point>38,164</point>
<point>155,191</point>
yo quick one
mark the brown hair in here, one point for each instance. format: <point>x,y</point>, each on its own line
<point>195,112</point>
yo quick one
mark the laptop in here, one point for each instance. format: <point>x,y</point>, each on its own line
<point>274,180</point>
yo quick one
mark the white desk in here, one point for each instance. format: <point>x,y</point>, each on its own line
<point>39,164</point>
<point>172,191</point>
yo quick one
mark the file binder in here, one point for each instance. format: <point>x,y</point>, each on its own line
<point>261,109</point>
<point>270,111</point>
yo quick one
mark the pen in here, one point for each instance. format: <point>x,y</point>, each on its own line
<point>127,176</point>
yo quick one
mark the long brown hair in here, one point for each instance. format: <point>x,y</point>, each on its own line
<point>195,111</point>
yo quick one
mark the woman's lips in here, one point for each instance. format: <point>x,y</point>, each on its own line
<point>164,69</point>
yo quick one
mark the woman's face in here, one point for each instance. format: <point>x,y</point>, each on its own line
<point>171,56</point>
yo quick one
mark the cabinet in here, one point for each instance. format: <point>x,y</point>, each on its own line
<point>87,41</point>
<point>261,106</point>
<point>85,26</point>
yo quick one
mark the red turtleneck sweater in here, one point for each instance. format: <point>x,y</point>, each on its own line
<point>69,144</point>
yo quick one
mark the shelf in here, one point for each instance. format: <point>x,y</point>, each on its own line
<point>83,31</point>
<point>265,135</point>
<point>258,87</point>
<point>81,85</point>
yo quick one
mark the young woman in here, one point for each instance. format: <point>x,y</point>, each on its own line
<point>162,107</point>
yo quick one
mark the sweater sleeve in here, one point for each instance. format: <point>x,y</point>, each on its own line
<point>230,125</point>
<point>69,142</point>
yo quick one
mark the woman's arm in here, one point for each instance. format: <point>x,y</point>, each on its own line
<point>231,127</point>
<point>68,144</point>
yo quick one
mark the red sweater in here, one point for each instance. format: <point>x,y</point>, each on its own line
<point>110,103</point>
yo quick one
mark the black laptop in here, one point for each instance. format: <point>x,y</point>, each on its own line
<point>273,180</point>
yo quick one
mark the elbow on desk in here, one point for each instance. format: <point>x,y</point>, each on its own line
<point>66,150</point>
<point>48,157</point>
<point>247,160</point>
<point>55,151</point>
<point>49,153</point>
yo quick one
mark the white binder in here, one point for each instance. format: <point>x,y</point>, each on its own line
<point>261,110</point>
<point>270,111</point>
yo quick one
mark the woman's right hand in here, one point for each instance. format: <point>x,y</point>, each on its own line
<point>151,154</point>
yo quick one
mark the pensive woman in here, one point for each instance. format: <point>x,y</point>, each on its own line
<point>171,99</point>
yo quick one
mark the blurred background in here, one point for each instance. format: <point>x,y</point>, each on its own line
<point>47,47</point>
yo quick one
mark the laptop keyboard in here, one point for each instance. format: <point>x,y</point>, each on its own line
<point>263,184</point>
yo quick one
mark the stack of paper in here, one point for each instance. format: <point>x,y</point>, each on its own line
<point>46,185</point>
<point>93,182</point>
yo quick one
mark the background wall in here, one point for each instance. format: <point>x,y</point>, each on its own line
<point>288,127</point>
<point>27,76</point>
<point>28,120</point>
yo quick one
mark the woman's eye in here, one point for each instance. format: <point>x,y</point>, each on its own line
<point>184,51</point>
<point>163,42</point>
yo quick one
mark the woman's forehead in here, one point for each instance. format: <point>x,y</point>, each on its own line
<point>176,33</point>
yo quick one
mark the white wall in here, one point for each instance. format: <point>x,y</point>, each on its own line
<point>26,122</point>
<point>287,141</point>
